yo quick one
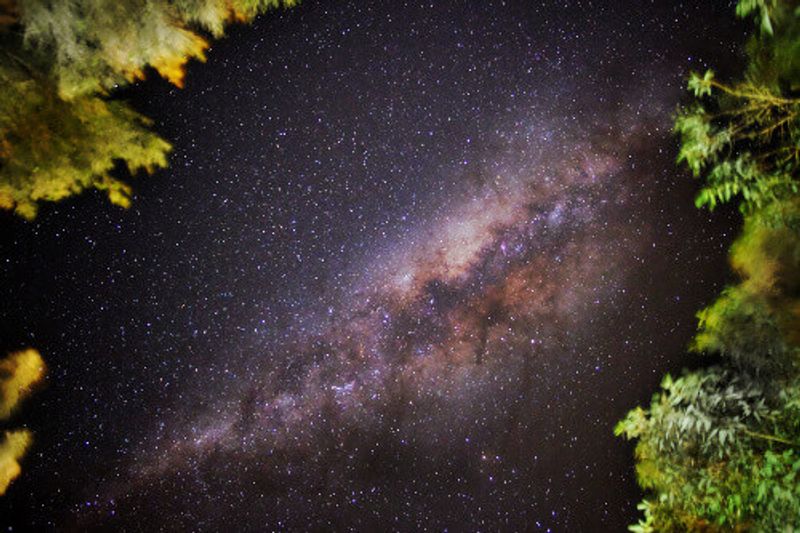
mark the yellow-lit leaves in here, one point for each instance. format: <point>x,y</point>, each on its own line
<point>99,44</point>
<point>12,449</point>
<point>756,322</point>
<point>59,132</point>
<point>19,372</point>
<point>58,148</point>
<point>171,64</point>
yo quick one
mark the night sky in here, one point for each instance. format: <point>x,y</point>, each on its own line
<point>409,265</point>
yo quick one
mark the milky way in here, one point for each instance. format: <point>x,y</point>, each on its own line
<point>447,352</point>
<point>457,313</point>
<point>408,267</point>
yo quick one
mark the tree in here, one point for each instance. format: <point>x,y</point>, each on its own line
<point>756,324</point>
<point>719,448</point>
<point>61,131</point>
<point>52,148</point>
<point>19,372</point>
<point>744,137</point>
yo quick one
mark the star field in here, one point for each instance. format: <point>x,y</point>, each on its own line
<point>409,265</point>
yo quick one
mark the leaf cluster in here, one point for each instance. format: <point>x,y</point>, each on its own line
<point>718,449</point>
<point>52,148</point>
<point>61,131</point>
<point>743,138</point>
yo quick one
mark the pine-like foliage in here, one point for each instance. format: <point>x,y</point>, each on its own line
<point>52,148</point>
<point>97,45</point>
<point>719,449</point>
<point>60,129</point>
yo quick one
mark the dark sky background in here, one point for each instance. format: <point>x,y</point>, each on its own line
<point>409,265</point>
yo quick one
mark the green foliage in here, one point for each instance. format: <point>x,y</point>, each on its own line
<point>744,138</point>
<point>719,448</point>
<point>719,451</point>
<point>741,326</point>
<point>756,322</point>
<point>60,131</point>
<point>701,85</point>
<point>763,10</point>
